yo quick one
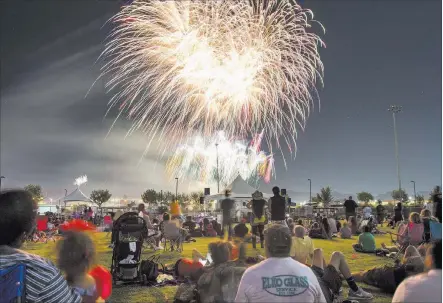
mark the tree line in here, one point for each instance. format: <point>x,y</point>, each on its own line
<point>325,196</point>
<point>160,200</point>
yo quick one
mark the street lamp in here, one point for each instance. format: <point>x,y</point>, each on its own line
<point>396,109</point>
<point>415,194</point>
<point>176,189</point>
<point>310,190</point>
<point>1,177</point>
<point>218,174</point>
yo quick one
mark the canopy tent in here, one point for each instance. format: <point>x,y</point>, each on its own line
<point>76,196</point>
<point>240,189</point>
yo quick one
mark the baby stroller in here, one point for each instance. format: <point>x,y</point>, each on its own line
<point>128,233</point>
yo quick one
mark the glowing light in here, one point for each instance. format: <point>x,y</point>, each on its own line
<point>198,161</point>
<point>81,180</point>
<point>241,66</point>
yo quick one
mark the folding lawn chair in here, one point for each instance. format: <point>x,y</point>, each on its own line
<point>13,284</point>
<point>172,237</point>
<point>408,234</point>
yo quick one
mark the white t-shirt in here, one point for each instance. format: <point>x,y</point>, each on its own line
<point>420,288</point>
<point>367,212</point>
<point>279,280</point>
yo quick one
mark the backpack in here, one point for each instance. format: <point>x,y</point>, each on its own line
<point>150,268</point>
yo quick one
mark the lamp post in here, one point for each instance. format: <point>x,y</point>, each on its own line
<point>218,174</point>
<point>415,194</point>
<point>310,190</point>
<point>176,189</point>
<point>1,177</point>
<point>395,109</point>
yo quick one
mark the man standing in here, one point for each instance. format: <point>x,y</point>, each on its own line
<point>380,209</point>
<point>350,207</point>
<point>279,278</point>
<point>226,206</point>
<point>277,207</point>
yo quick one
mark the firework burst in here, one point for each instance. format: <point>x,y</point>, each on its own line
<point>199,160</point>
<point>180,67</point>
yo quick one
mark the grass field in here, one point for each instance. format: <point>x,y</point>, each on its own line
<point>138,294</point>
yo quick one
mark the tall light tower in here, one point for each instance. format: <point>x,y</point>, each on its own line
<point>395,109</point>
<point>415,193</point>
<point>310,190</point>
<point>1,177</point>
<point>218,174</point>
<point>176,189</point>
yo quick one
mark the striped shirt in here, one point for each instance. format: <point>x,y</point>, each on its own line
<point>44,282</point>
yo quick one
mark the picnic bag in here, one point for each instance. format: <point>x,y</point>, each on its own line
<point>150,268</point>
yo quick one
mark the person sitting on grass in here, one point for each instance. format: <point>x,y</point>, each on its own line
<point>332,225</point>
<point>411,232</point>
<point>220,280</point>
<point>300,222</point>
<point>345,231</point>
<point>317,231</point>
<point>389,277</point>
<point>241,230</point>
<point>427,285</point>
<point>279,278</point>
<point>328,275</point>
<point>353,225</point>
<point>44,282</point>
<point>302,247</point>
<point>189,224</point>
<point>366,241</point>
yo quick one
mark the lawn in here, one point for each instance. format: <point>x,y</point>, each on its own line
<point>135,294</point>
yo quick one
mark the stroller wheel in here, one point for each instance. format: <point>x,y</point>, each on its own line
<point>144,280</point>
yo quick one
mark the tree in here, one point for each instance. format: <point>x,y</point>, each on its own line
<point>400,195</point>
<point>150,197</point>
<point>315,200</point>
<point>35,191</point>
<point>420,199</point>
<point>365,196</point>
<point>435,191</point>
<point>325,196</point>
<point>100,196</point>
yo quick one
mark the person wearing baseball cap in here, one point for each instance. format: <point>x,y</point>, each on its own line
<point>279,278</point>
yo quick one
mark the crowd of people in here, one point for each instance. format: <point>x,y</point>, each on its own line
<point>293,269</point>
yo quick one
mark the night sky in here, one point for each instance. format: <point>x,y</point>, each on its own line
<point>378,53</point>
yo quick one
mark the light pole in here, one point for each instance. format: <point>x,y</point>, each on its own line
<point>415,194</point>
<point>396,109</point>
<point>310,190</point>
<point>1,177</point>
<point>218,174</point>
<point>176,189</point>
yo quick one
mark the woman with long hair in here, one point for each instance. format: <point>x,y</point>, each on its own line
<point>257,205</point>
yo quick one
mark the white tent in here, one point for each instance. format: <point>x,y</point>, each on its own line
<point>76,196</point>
<point>240,190</point>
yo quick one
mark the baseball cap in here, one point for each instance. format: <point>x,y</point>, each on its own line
<point>278,240</point>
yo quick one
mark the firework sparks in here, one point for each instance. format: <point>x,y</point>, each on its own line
<point>81,180</point>
<point>234,65</point>
<point>198,161</point>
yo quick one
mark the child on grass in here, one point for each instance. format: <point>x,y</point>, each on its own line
<point>76,255</point>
